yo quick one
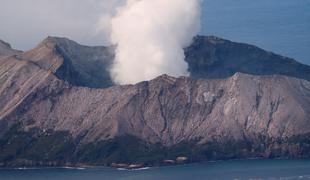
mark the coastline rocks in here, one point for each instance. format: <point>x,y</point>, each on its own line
<point>126,166</point>
<point>168,162</point>
<point>181,159</point>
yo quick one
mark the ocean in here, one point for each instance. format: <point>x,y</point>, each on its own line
<point>235,170</point>
<point>281,26</point>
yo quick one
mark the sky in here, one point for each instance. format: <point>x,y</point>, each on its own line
<point>281,26</point>
<point>24,23</point>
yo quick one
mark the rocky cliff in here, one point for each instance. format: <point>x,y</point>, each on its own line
<point>212,57</point>
<point>48,117</point>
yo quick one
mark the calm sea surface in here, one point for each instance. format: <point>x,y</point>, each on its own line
<point>241,169</point>
<point>281,26</point>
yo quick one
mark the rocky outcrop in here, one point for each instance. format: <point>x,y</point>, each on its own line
<point>74,63</point>
<point>6,49</point>
<point>208,57</point>
<point>45,119</point>
<point>212,57</point>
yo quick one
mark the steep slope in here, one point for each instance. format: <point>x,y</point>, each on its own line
<point>19,79</point>
<point>212,57</point>
<point>170,110</point>
<point>237,117</point>
<point>6,50</point>
<point>48,119</point>
<point>79,65</point>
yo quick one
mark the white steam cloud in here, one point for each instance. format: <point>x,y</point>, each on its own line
<point>151,36</point>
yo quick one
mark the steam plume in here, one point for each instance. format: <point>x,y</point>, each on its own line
<point>150,36</point>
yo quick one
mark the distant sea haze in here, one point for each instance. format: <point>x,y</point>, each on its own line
<point>281,26</point>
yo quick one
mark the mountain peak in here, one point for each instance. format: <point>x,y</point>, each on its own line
<point>60,41</point>
<point>6,49</point>
<point>5,44</point>
<point>75,63</point>
<point>213,57</point>
<point>165,77</point>
<point>210,39</point>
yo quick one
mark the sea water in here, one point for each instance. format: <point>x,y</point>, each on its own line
<point>237,169</point>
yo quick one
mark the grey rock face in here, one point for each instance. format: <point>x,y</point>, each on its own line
<point>77,64</point>
<point>212,57</point>
<point>238,116</point>
<point>169,110</point>
<point>208,57</point>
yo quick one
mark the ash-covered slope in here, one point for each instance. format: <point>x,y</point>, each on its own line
<point>45,119</point>
<point>169,110</point>
<point>77,64</point>
<point>238,117</point>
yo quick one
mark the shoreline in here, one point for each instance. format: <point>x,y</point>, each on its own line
<point>147,167</point>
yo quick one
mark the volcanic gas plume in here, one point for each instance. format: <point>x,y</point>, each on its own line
<point>150,37</point>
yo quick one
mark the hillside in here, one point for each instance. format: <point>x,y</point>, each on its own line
<point>47,117</point>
